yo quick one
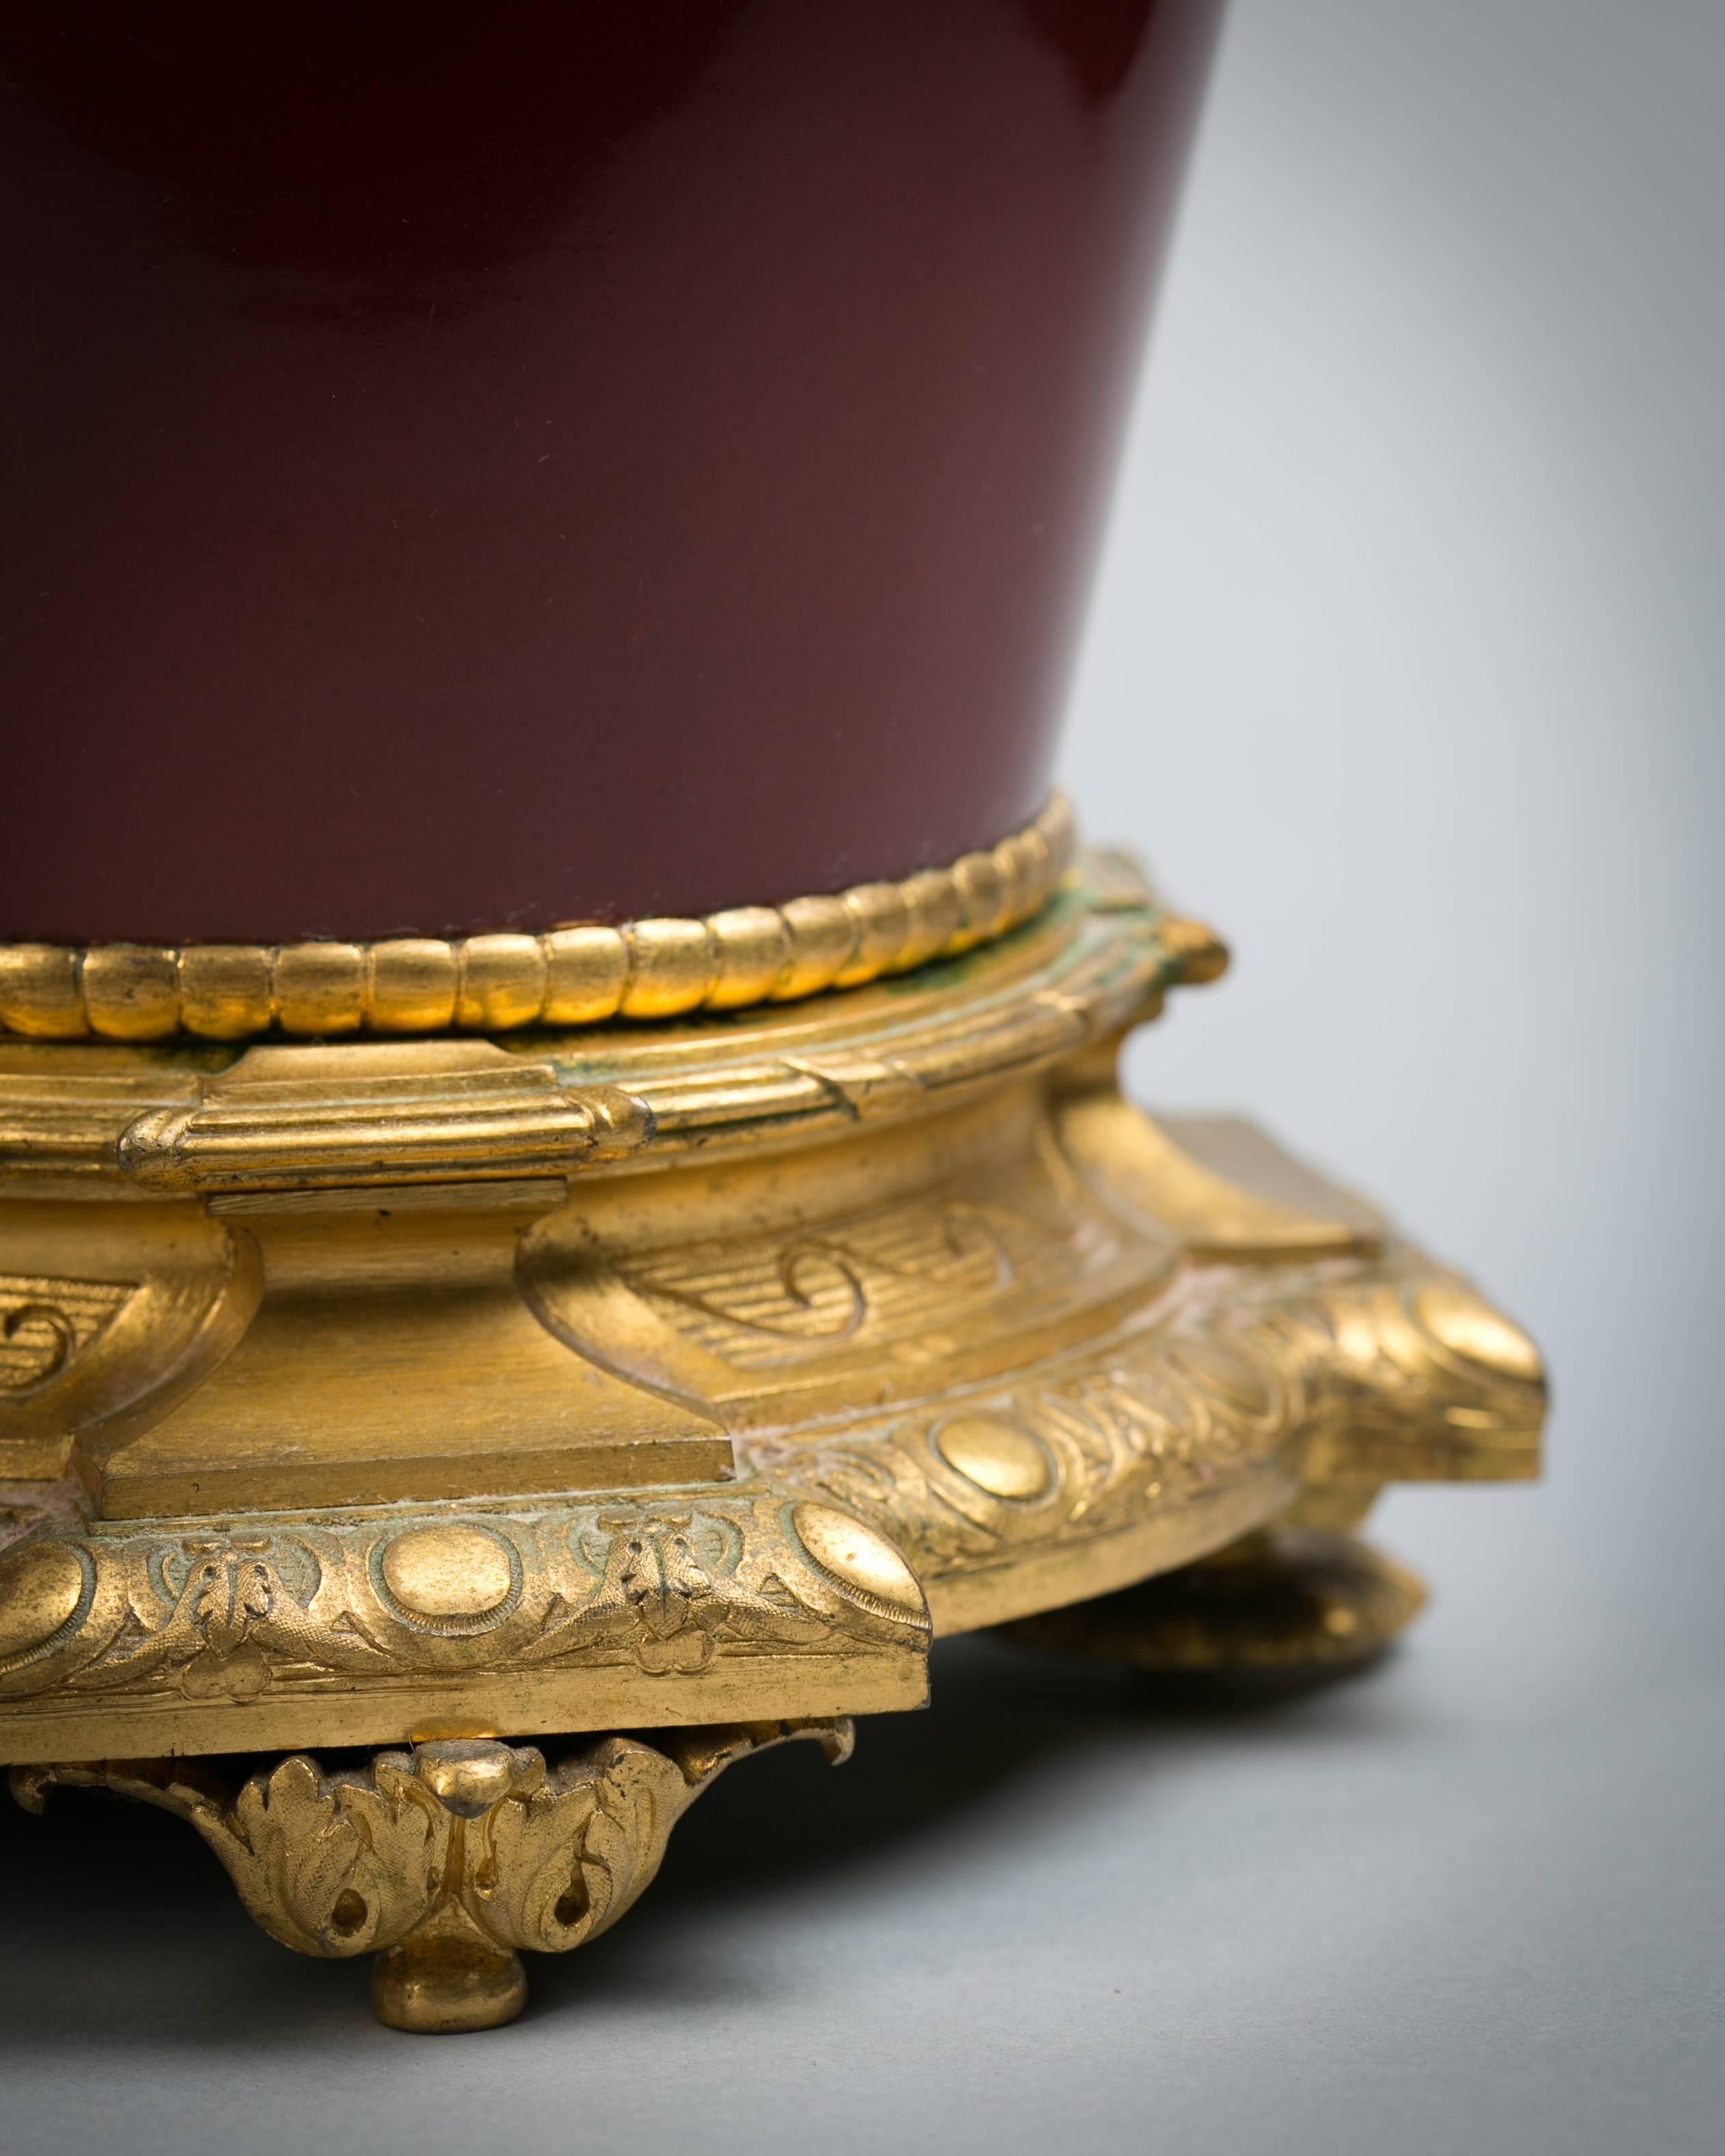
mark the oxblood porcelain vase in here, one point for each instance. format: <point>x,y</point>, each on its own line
<point>561,1170</point>
<point>481,468</point>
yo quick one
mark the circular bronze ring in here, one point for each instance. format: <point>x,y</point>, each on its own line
<point>575,976</point>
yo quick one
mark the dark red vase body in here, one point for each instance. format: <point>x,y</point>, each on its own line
<point>469,468</point>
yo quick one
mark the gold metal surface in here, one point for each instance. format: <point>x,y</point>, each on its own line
<point>581,975</point>
<point>1284,1600</point>
<point>257,1630</point>
<point>445,1862</point>
<point>438,1393</point>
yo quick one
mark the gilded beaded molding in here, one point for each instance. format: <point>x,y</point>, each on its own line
<point>578,975</point>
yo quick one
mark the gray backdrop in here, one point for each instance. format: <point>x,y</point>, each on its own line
<point>1404,670</point>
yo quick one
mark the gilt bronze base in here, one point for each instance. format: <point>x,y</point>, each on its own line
<point>667,1387</point>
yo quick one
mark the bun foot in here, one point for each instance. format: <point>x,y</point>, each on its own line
<point>1286,1601</point>
<point>441,1987</point>
<point>442,1861</point>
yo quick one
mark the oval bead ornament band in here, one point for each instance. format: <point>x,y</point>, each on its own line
<point>577,976</point>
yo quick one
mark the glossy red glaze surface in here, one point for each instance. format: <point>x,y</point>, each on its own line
<point>467,467</point>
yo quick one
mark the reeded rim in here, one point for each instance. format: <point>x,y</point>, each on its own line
<point>578,975</point>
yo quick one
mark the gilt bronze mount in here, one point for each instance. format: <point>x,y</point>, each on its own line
<point>506,1309</point>
<point>667,1385</point>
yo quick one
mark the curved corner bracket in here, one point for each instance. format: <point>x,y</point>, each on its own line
<point>448,1860</point>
